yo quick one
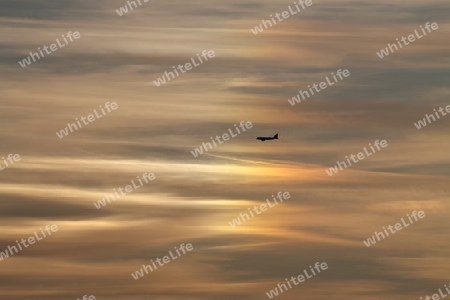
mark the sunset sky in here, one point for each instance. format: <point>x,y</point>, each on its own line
<point>193,199</point>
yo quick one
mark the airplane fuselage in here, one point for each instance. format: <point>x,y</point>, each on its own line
<point>267,138</point>
<point>264,138</point>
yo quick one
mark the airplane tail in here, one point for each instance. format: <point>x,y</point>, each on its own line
<point>275,136</point>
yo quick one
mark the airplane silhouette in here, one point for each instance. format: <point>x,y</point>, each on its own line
<point>263,138</point>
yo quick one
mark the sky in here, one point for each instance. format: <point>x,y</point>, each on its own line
<point>194,199</point>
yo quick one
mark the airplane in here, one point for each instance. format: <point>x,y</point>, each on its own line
<point>263,138</point>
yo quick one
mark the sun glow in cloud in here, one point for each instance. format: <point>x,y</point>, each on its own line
<point>192,199</point>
